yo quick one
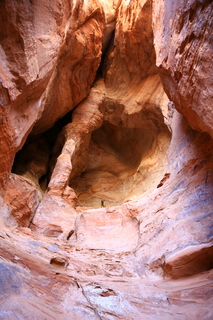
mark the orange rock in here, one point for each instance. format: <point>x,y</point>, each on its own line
<point>98,230</point>
<point>124,228</point>
<point>49,58</point>
<point>55,216</point>
<point>183,44</point>
<point>22,198</point>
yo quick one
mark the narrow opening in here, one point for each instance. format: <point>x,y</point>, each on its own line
<point>105,52</point>
<point>70,234</point>
<point>36,159</point>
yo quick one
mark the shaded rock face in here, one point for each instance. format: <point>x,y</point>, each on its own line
<point>106,207</point>
<point>36,42</point>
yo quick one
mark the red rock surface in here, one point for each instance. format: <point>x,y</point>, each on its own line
<point>107,213</point>
<point>49,58</point>
<point>183,44</point>
<point>24,202</point>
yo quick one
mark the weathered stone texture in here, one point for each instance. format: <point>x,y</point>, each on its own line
<point>184,48</point>
<point>49,58</point>
<point>107,213</point>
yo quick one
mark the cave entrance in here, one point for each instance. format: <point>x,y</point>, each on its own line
<point>35,161</point>
<point>123,164</point>
<point>126,157</point>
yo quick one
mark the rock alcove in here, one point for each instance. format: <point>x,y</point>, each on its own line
<point>125,158</point>
<point>118,136</point>
<point>123,162</point>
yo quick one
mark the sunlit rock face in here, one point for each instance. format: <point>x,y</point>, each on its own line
<point>106,208</point>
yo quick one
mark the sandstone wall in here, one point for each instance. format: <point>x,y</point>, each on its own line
<point>49,58</point>
<point>107,212</point>
<point>183,44</point>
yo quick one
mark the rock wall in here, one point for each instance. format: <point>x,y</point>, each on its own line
<point>49,58</point>
<point>183,45</point>
<point>107,207</point>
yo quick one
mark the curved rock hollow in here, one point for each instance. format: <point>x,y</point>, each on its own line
<point>127,155</point>
<point>121,147</point>
<point>105,188</point>
<point>120,138</point>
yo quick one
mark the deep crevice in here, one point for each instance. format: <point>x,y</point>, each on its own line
<point>37,157</point>
<point>186,41</point>
<point>105,52</point>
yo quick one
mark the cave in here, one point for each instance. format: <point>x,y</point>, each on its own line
<point>37,156</point>
<point>123,163</point>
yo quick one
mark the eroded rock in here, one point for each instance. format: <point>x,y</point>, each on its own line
<point>22,198</point>
<point>36,38</point>
<point>183,44</point>
<point>148,258</point>
<point>190,261</point>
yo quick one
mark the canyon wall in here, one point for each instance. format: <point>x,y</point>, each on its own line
<point>49,58</point>
<point>106,169</point>
<point>183,44</point>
